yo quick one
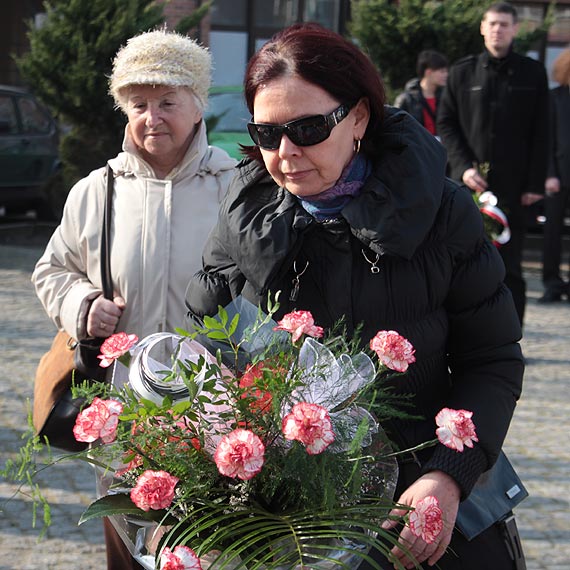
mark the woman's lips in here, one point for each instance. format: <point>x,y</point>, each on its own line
<point>295,176</point>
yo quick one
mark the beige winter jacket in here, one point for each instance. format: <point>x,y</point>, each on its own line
<point>158,231</point>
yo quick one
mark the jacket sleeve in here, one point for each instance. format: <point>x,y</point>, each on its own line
<point>539,141</point>
<point>216,284</point>
<point>60,276</point>
<point>459,153</point>
<point>485,359</point>
<point>552,137</point>
<point>221,279</point>
<point>403,101</point>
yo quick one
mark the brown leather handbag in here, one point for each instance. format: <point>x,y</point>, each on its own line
<point>69,361</point>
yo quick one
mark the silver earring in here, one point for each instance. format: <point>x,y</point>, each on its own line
<point>356,146</point>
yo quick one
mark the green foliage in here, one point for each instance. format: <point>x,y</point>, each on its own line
<point>118,503</point>
<point>394,33</point>
<point>255,539</point>
<point>33,457</point>
<point>192,20</point>
<point>528,39</point>
<point>71,55</point>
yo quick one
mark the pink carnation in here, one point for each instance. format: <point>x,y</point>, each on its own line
<point>393,350</point>
<point>183,558</point>
<point>115,346</point>
<point>299,323</point>
<point>154,490</point>
<point>98,421</point>
<point>456,428</point>
<point>311,425</point>
<point>425,521</point>
<point>240,454</point>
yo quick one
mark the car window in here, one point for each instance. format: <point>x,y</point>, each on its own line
<point>8,119</point>
<point>34,118</point>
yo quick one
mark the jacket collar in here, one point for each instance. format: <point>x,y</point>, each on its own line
<point>413,85</point>
<point>398,204</point>
<point>260,223</point>
<point>199,157</point>
<point>488,60</point>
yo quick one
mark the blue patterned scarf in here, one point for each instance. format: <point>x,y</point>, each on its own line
<point>329,203</point>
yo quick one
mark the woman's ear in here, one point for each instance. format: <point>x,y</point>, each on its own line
<point>361,117</point>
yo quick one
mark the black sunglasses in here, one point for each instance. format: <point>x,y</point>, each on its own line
<point>302,132</point>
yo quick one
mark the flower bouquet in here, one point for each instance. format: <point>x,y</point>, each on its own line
<point>494,219</point>
<point>251,444</point>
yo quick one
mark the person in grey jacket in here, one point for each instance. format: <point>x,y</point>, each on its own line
<point>344,208</point>
<point>168,184</point>
<point>557,184</point>
<point>422,94</point>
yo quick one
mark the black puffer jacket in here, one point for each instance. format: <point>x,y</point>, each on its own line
<point>439,284</point>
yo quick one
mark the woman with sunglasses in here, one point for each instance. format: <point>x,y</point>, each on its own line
<point>343,207</point>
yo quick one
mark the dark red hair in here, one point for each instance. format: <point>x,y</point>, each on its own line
<point>321,57</point>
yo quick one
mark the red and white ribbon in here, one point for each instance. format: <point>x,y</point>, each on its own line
<point>498,215</point>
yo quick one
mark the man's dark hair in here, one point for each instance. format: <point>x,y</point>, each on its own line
<point>430,59</point>
<point>502,8</point>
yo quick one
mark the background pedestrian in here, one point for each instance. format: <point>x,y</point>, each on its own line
<point>422,94</point>
<point>494,112</point>
<point>557,184</point>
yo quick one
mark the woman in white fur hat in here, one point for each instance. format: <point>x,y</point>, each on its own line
<point>167,186</point>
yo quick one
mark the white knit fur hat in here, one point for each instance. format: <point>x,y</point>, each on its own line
<point>162,58</point>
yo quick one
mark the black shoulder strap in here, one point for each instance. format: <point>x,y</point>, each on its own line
<point>106,238</point>
<point>426,106</point>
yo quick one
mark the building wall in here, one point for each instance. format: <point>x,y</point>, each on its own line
<point>535,10</point>
<point>13,40</point>
<point>532,13</point>
<point>177,9</point>
<point>240,27</point>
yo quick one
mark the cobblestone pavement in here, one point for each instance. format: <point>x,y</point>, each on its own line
<point>25,334</point>
<point>537,443</point>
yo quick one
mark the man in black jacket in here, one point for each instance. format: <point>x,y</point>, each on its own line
<point>494,111</point>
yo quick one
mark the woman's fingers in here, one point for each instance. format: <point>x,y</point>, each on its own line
<point>103,317</point>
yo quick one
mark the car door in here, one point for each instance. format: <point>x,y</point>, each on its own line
<point>38,142</point>
<point>11,145</point>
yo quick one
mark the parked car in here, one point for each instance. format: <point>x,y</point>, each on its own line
<point>227,117</point>
<point>28,151</point>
